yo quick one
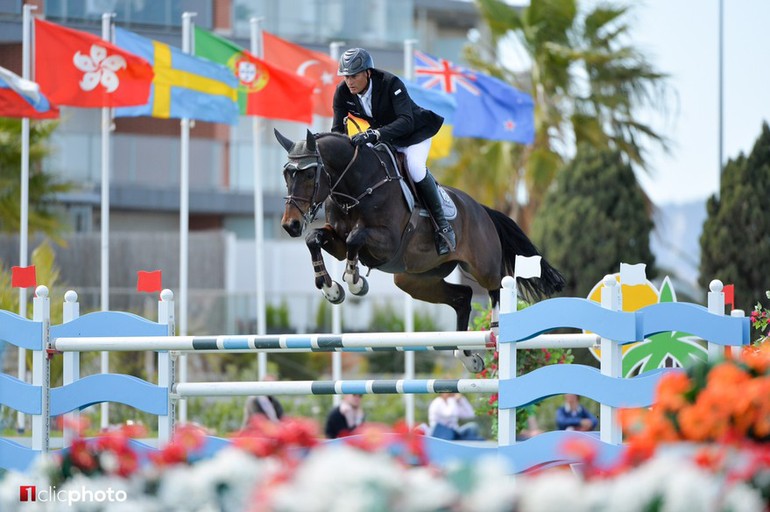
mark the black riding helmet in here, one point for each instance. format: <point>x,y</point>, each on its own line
<point>354,61</point>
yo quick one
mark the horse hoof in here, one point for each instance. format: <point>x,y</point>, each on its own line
<point>474,363</point>
<point>334,293</point>
<point>360,288</point>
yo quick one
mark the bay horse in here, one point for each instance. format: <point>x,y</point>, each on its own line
<point>368,220</point>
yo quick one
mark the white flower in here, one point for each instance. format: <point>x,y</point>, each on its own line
<point>552,492</point>
<point>229,477</point>
<point>99,68</point>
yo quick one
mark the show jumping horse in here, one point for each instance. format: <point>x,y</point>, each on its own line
<point>368,220</point>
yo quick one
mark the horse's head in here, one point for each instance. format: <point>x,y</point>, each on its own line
<point>306,190</point>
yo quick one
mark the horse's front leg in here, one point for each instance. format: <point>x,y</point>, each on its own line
<point>327,239</point>
<point>357,284</point>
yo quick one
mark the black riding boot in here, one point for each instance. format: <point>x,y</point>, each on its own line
<point>445,235</point>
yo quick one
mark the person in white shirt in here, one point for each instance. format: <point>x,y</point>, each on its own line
<point>444,415</point>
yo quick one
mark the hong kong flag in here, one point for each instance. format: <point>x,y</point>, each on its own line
<point>78,69</point>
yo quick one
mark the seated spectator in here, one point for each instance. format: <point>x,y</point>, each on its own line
<point>573,416</point>
<point>345,418</point>
<point>444,415</point>
<point>262,405</point>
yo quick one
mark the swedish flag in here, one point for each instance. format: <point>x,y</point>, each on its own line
<point>184,86</point>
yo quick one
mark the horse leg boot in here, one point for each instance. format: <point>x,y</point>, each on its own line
<point>445,235</point>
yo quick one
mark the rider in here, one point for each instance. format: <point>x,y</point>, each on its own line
<point>382,100</point>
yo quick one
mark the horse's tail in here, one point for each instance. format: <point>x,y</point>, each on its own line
<point>513,242</point>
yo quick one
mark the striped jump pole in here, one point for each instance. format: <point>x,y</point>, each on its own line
<point>335,387</point>
<point>349,342</point>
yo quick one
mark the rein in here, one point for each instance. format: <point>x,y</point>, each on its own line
<point>355,201</point>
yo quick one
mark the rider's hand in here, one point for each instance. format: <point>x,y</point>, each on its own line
<point>367,137</point>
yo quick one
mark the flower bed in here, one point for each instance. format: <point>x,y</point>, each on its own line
<point>702,447</point>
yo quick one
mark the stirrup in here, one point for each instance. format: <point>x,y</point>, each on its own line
<point>444,243</point>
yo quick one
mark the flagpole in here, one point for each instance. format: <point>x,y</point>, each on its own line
<point>334,53</point>
<point>184,218</point>
<point>105,219</point>
<point>26,72</point>
<point>409,45</point>
<point>259,213</point>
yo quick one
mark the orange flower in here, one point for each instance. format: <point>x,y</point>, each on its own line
<point>727,374</point>
<point>671,389</point>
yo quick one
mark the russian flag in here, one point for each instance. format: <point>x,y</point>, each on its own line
<point>22,98</point>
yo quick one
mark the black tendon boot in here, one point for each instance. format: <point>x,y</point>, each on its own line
<point>445,235</point>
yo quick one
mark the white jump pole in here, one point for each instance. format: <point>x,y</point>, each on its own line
<point>506,418</point>
<point>308,342</point>
<point>41,371</point>
<point>339,387</point>
<point>716,305</point>
<point>71,366</point>
<point>611,364</point>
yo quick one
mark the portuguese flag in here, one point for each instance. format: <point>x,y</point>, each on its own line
<point>263,89</point>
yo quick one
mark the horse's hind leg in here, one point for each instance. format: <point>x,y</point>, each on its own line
<point>432,288</point>
<point>327,238</point>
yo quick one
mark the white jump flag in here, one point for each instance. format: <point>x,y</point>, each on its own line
<point>527,266</point>
<point>633,275</point>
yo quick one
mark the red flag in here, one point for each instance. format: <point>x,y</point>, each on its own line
<point>13,105</point>
<point>23,277</point>
<point>148,281</point>
<point>729,291</point>
<point>277,94</point>
<point>81,70</point>
<point>317,66</point>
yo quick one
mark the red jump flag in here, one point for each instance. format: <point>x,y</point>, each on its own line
<point>314,65</point>
<point>23,277</point>
<point>729,291</point>
<point>148,281</point>
<point>79,69</point>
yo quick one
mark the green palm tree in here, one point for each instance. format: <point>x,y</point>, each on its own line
<point>587,83</point>
<point>42,186</point>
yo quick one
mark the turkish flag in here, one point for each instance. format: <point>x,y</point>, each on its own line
<point>23,277</point>
<point>149,281</point>
<point>79,69</point>
<point>314,65</point>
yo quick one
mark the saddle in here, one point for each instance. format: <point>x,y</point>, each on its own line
<point>412,198</point>
<point>397,159</point>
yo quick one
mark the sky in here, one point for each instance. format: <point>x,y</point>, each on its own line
<point>681,38</point>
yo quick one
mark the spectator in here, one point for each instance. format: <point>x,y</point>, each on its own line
<point>264,405</point>
<point>345,418</point>
<point>573,416</point>
<point>444,415</point>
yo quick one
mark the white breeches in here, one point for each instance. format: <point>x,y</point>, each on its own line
<point>416,157</point>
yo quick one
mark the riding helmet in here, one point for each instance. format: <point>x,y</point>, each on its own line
<point>354,61</point>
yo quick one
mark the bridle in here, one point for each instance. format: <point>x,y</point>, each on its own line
<point>344,202</point>
<point>303,162</point>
